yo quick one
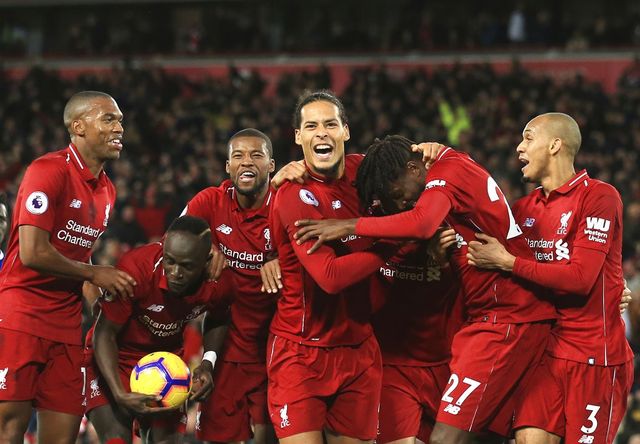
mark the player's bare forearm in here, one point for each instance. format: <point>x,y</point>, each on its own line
<point>37,253</point>
<point>490,254</point>
<point>105,351</point>
<point>324,230</point>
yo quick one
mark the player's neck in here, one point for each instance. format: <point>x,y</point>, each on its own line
<point>253,201</point>
<point>559,174</point>
<point>94,164</point>
<point>334,174</point>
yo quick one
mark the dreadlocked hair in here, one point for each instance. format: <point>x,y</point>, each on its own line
<point>383,163</point>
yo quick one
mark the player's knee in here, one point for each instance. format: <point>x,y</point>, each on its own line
<point>13,426</point>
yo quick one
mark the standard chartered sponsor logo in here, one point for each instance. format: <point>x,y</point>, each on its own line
<point>556,249</point>
<point>74,233</point>
<point>242,260</point>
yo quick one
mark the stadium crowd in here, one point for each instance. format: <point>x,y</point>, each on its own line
<point>284,26</point>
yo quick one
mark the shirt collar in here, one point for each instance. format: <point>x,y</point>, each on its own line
<point>76,159</point>
<point>235,206</point>
<point>566,187</point>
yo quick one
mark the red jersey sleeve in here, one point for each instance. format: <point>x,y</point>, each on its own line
<point>576,276</point>
<point>119,310</point>
<point>601,209</point>
<point>327,269</point>
<point>421,222</point>
<point>40,188</point>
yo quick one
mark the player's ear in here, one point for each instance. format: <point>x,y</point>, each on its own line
<point>226,166</point>
<point>78,127</point>
<point>347,135</point>
<point>556,145</point>
<point>297,137</point>
<point>272,166</point>
<point>413,167</point>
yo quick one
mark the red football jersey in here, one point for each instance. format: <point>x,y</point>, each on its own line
<point>153,319</point>
<point>576,226</point>
<point>245,239</point>
<point>461,193</point>
<point>60,195</point>
<point>420,311</point>
<point>324,302</point>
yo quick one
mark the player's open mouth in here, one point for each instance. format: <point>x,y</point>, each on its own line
<point>525,161</point>
<point>247,176</point>
<point>323,151</point>
<point>115,143</point>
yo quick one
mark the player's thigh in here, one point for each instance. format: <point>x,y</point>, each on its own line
<point>446,434</point>
<point>314,437</point>
<point>354,411</point>
<point>334,438</point>
<point>400,410</point>
<point>14,420</point>
<point>57,427</point>
<point>264,434</point>
<point>531,435</point>
<point>111,423</point>
<point>411,440</point>
<point>61,385</point>
<point>482,385</point>
<point>595,407</point>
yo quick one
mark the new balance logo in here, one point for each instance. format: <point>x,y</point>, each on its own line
<point>336,204</point>
<point>3,378</point>
<point>155,307</point>
<point>597,223</point>
<point>562,250</point>
<point>284,417</point>
<point>586,439</point>
<point>224,229</point>
<point>75,203</point>
<point>453,409</point>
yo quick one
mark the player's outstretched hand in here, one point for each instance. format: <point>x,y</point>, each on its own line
<point>625,298</point>
<point>113,281</point>
<point>292,172</point>
<point>489,253</point>
<point>216,265</point>
<point>429,150</point>
<point>140,404</point>
<point>324,230</point>
<point>202,382</point>
<point>271,276</point>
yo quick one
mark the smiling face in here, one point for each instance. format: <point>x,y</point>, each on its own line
<point>185,259</point>
<point>249,165</point>
<point>535,150</point>
<point>100,127</point>
<point>322,135</point>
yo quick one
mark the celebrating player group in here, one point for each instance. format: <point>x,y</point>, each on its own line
<point>395,297</point>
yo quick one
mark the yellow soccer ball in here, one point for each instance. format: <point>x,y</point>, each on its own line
<point>164,374</point>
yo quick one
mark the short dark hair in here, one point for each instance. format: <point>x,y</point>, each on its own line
<point>383,163</point>
<point>317,96</point>
<point>193,225</point>
<point>252,132</point>
<point>77,100</point>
